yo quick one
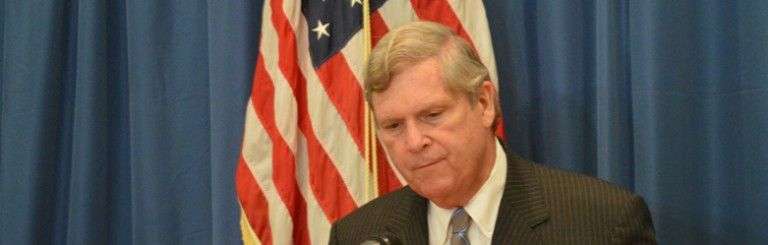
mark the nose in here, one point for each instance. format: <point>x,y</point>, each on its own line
<point>415,139</point>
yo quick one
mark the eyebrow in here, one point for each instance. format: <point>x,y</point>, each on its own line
<point>438,105</point>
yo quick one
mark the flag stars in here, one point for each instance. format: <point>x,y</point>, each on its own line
<point>321,29</point>
<point>353,2</point>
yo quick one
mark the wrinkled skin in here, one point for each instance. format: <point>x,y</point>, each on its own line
<point>440,142</point>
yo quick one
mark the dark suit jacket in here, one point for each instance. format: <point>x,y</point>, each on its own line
<point>540,205</point>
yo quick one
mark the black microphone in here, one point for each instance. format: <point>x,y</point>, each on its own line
<point>381,240</point>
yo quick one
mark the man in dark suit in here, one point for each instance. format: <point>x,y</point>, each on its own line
<point>436,110</point>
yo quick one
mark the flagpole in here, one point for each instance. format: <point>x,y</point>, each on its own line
<point>370,138</point>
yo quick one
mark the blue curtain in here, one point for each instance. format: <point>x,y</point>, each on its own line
<point>120,122</point>
<point>667,98</point>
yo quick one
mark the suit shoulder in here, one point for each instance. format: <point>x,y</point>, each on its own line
<point>368,219</point>
<point>586,205</point>
<point>579,187</point>
<point>374,207</point>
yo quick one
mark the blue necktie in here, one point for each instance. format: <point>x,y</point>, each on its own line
<point>460,222</point>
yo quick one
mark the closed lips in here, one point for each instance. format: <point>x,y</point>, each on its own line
<point>430,163</point>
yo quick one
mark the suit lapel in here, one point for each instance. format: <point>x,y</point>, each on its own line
<point>521,210</point>
<point>522,205</point>
<point>409,219</point>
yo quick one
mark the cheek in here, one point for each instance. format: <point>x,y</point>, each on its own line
<point>388,143</point>
<point>394,151</point>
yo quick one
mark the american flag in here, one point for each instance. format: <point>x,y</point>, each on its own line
<point>306,156</point>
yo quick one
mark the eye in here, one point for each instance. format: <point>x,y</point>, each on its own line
<point>391,126</point>
<point>433,115</point>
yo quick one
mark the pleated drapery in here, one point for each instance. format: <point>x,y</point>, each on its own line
<point>121,121</point>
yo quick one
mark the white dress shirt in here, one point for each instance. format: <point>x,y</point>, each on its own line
<point>483,208</point>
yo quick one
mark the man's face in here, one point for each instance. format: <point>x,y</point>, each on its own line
<point>441,144</point>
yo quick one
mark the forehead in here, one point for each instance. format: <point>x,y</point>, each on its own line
<point>414,89</point>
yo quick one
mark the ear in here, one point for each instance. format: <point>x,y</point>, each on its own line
<point>486,99</point>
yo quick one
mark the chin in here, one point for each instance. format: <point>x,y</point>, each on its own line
<point>434,191</point>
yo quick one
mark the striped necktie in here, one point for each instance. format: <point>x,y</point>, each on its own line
<point>459,225</point>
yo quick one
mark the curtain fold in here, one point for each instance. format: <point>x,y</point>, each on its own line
<point>121,121</point>
<point>667,98</point>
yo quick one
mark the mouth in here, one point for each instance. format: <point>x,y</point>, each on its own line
<point>421,166</point>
